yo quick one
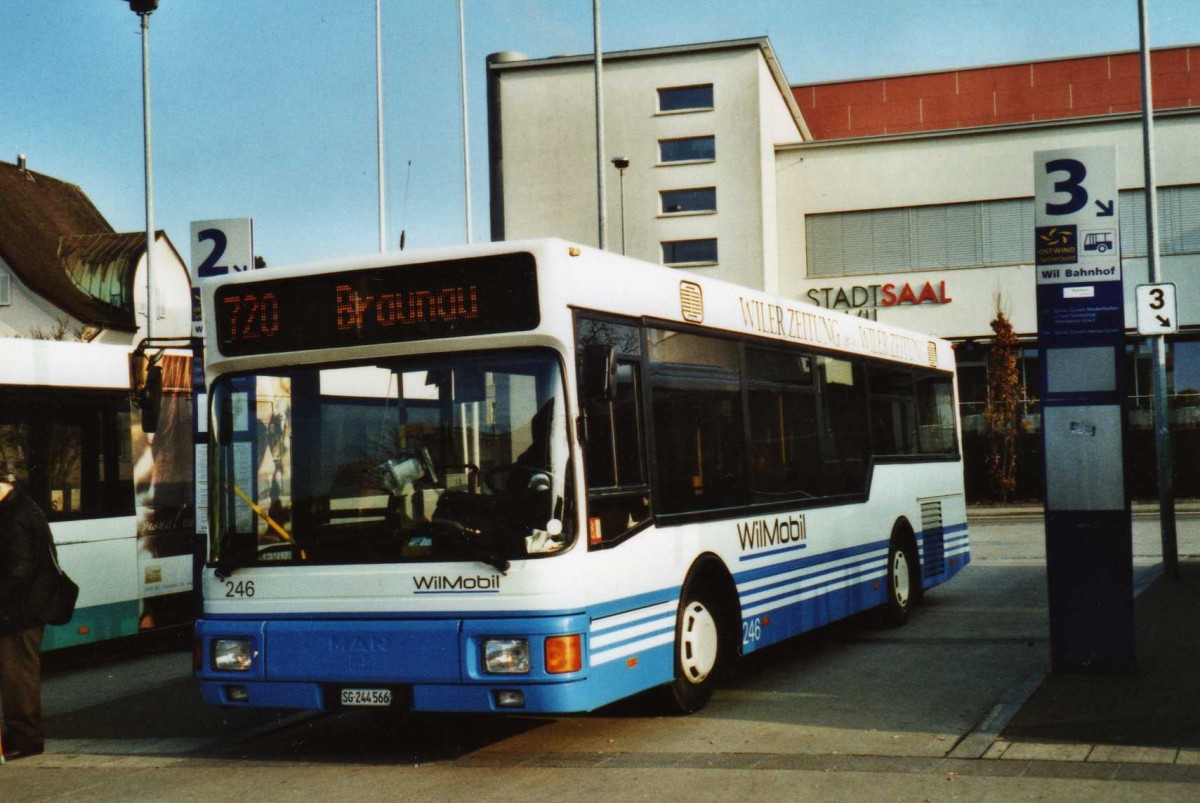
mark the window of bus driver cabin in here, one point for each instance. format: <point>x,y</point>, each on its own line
<point>430,458</point>
<point>613,448</point>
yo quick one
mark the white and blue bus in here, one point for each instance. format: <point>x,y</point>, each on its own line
<point>538,477</point>
<point>119,499</point>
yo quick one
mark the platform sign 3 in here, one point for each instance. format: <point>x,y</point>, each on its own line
<point>1156,313</point>
<point>1081,354</point>
<point>1077,246</point>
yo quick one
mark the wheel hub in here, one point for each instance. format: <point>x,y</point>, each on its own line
<point>698,642</point>
<point>900,578</point>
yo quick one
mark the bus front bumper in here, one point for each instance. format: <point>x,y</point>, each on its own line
<point>408,664</point>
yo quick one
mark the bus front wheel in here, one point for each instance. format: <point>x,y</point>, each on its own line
<point>697,653</point>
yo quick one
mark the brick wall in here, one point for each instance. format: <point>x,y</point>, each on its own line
<point>1011,93</point>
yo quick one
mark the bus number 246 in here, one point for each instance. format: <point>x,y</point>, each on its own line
<point>751,631</point>
<point>242,588</point>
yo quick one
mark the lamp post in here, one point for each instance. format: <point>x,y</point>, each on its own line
<point>598,69</point>
<point>144,8</point>
<point>381,178</point>
<point>622,162</point>
<point>466,141</point>
<point>1158,346</point>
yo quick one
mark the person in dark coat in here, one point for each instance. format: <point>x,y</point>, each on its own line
<point>27,579</point>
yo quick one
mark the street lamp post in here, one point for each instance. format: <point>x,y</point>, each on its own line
<point>144,8</point>
<point>598,69</point>
<point>622,162</point>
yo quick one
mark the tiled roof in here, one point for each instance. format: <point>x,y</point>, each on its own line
<point>1005,94</point>
<point>43,220</point>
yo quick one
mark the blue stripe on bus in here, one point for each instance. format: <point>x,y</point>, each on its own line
<point>455,592</point>
<point>628,604</point>
<point>630,644</point>
<point>805,615</point>
<point>803,563</point>
<point>772,553</point>
<point>828,577</point>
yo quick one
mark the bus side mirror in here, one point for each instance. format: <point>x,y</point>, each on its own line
<point>598,373</point>
<point>149,398</point>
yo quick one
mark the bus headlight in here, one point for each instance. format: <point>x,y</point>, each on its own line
<point>232,654</point>
<point>506,656</point>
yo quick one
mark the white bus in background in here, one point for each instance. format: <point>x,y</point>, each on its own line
<point>538,477</point>
<point>119,500</point>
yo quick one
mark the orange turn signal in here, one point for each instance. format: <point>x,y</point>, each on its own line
<point>563,654</point>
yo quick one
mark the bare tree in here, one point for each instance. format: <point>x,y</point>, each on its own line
<point>60,331</point>
<point>1003,414</point>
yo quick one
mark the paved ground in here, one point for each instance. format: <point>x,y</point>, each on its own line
<point>957,704</point>
<point>1153,715</point>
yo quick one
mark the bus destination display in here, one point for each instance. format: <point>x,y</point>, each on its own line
<point>476,296</point>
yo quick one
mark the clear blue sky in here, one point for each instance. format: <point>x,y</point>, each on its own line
<point>266,108</point>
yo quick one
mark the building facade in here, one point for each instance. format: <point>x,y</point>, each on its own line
<point>65,274</point>
<point>906,199</point>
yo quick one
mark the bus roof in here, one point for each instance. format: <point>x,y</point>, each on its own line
<point>624,286</point>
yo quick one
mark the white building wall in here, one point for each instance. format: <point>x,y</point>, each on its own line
<point>549,154</point>
<point>550,164</point>
<point>778,127</point>
<point>982,165</point>
<point>29,312</point>
<point>172,295</point>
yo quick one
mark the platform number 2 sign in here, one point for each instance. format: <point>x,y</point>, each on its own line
<point>222,246</point>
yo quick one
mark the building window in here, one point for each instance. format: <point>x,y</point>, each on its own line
<point>915,238</point>
<point>699,199</point>
<point>690,252</point>
<point>1178,221</point>
<point>686,98</point>
<point>979,234</point>
<point>687,149</point>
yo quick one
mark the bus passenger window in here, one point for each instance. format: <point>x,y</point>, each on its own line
<point>844,439</point>
<point>936,433</point>
<point>783,425</point>
<point>699,442</point>
<point>893,416</point>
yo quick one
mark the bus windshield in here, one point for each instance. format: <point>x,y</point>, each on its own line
<point>459,457</point>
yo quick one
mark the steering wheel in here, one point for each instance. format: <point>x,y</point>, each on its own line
<point>499,479</point>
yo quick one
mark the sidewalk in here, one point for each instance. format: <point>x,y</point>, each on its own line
<point>1184,508</point>
<point>1151,717</point>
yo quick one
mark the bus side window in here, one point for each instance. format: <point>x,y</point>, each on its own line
<point>936,433</point>
<point>893,414</point>
<point>696,389</point>
<point>844,437</point>
<point>783,425</point>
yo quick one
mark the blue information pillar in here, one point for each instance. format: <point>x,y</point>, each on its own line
<point>1081,328</point>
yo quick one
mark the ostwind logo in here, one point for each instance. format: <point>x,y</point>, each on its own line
<point>1057,245</point>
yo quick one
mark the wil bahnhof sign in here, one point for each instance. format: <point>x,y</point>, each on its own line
<point>1081,333</point>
